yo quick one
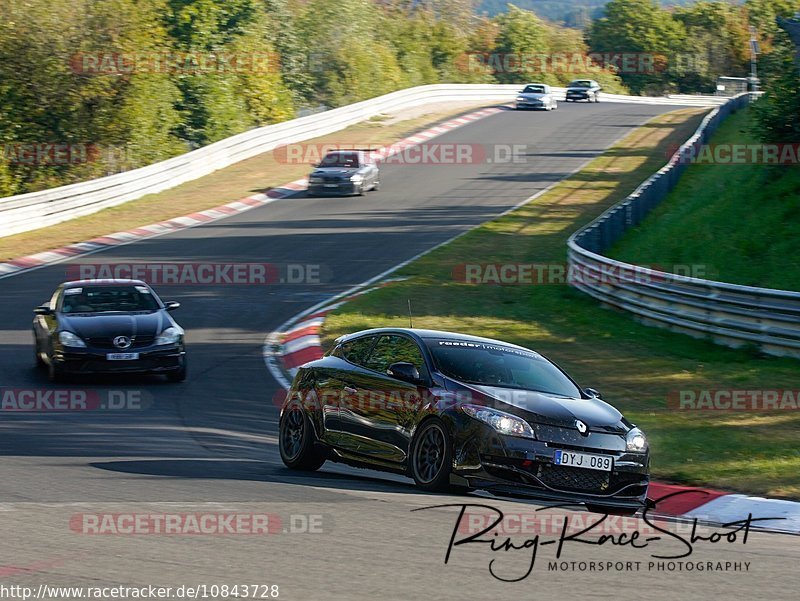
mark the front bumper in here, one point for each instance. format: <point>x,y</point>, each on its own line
<point>519,466</point>
<point>153,359</point>
<point>577,96</point>
<point>333,188</point>
<point>531,105</point>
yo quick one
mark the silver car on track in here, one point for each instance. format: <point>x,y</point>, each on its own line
<point>537,96</point>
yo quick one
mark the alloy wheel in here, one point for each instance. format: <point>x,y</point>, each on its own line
<point>293,430</point>
<point>430,454</point>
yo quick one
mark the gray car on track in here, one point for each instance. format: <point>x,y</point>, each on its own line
<point>344,172</point>
<point>583,89</point>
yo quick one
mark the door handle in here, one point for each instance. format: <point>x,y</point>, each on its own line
<point>350,390</point>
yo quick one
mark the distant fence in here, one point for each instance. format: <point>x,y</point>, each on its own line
<point>728,314</point>
<point>35,210</point>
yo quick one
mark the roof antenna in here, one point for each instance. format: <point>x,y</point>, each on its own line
<point>410,320</point>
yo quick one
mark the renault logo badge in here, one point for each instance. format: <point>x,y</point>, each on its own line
<point>122,342</point>
<point>582,428</point>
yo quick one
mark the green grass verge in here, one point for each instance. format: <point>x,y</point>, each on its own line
<point>635,366</point>
<point>739,223</point>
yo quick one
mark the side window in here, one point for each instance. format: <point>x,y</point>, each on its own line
<point>356,351</point>
<point>391,349</point>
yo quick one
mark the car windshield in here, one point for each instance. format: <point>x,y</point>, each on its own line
<point>580,83</point>
<point>533,90</point>
<point>496,365</point>
<point>346,160</point>
<point>106,299</point>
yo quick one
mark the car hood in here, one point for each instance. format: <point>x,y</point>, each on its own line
<point>533,96</point>
<point>339,171</point>
<point>116,324</point>
<point>556,410</point>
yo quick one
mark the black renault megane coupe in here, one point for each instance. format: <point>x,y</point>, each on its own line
<point>108,326</point>
<point>460,412</point>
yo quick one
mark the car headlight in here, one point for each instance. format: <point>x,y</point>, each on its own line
<point>503,422</point>
<point>315,180</point>
<point>169,336</point>
<point>357,179</point>
<point>70,339</point>
<point>520,99</point>
<point>635,440</point>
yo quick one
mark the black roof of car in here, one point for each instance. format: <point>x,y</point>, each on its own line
<point>345,151</point>
<point>422,334</point>
<point>121,282</point>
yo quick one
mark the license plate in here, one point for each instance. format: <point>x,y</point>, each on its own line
<point>122,356</point>
<point>604,463</point>
<point>331,185</point>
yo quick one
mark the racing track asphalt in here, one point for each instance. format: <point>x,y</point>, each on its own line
<point>209,444</point>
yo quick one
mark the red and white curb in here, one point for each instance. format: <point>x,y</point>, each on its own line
<point>95,245</point>
<point>298,342</point>
<point>719,507</point>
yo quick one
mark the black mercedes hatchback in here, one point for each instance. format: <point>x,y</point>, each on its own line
<point>108,326</point>
<point>460,412</point>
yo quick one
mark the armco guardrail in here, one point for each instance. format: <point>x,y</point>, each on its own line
<point>728,314</point>
<point>40,209</point>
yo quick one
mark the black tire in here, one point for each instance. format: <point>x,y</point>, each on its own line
<point>296,441</point>
<point>597,98</point>
<point>178,375</point>
<point>54,374</point>
<point>625,511</point>
<point>431,457</point>
<point>38,357</point>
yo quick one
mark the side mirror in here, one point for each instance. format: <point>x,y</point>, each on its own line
<point>404,371</point>
<point>43,310</point>
<point>171,305</point>
<point>593,393</point>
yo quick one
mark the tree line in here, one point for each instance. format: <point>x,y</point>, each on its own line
<point>91,87</point>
